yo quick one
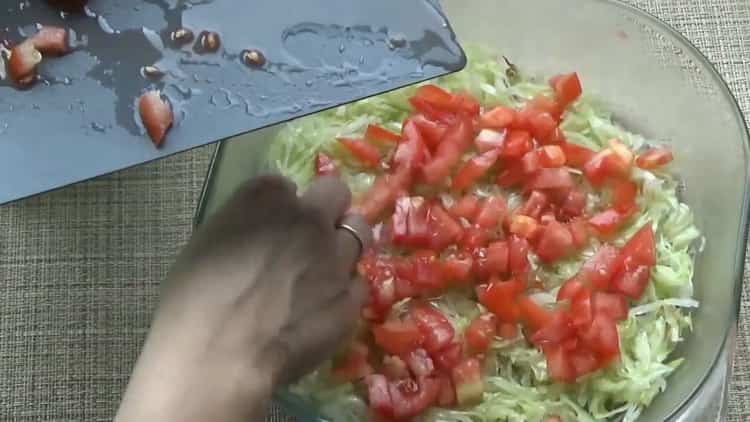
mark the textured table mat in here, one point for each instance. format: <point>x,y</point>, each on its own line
<point>80,268</point>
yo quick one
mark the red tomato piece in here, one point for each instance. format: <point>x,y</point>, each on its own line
<point>550,178</point>
<point>598,270</point>
<point>499,297</point>
<point>638,250</point>
<point>475,238</point>
<point>492,212</point>
<point>444,229</point>
<point>432,131</point>
<point>573,205</point>
<point>489,139</point>
<point>411,223</point>
<point>366,154</point>
<point>447,395</point>
<point>570,289</point>
<point>577,156</point>
<point>51,40</point>
<point>498,118</point>
<point>456,140</point>
<point>518,260</point>
<point>398,337</point>
<point>543,103</point>
<point>380,134</point>
<point>554,243</point>
<point>382,194</point>
<point>427,272</point>
<point>613,305</point>
<point>530,162</point>
<point>480,333</point>
<point>551,156</point>
<point>580,309</point>
<point>354,366</point>
<point>601,337</point>
<point>457,267</point>
<point>511,175</point>
<point>624,193</point>
<point>533,316</point>
<point>584,361</point>
<point>447,358</point>
<point>419,363</point>
<point>411,397</point>
<point>434,326</point>
<point>508,330</point>
<point>558,329</point>
<point>467,378</point>
<point>632,283</point>
<point>524,226</point>
<point>580,232</point>
<point>156,115</point>
<point>567,88</point>
<point>382,293</point>
<point>324,165</point>
<point>543,127</point>
<point>607,222</point>
<point>534,205</point>
<point>378,395</point>
<point>516,144</point>
<point>412,152</point>
<point>605,164</point>
<point>654,158</point>
<point>435,96</point>
<point>491,261</point>
<point>559,366</point>
<point>466,207</point>
<point>405,288</point>
<point>474,169</point>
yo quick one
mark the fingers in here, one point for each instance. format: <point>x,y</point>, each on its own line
<point>352,229</point>
<point>329,195</point>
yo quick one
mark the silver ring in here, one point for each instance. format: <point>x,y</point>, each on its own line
<point>354,233</point>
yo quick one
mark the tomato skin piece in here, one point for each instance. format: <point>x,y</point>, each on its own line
<point>419,363</point>
<point>499,297</point>
<point>518,255</point>
<point>473,170</point>
<point>654,158</point>
<point>447,358</point>
<point>559,366</point>
<point>555,242</point>
<point>584,361</point>
<point>456,140</point>
<point>613,305</point>
<point>607,222</point>
<point>567,88</point>
<point>411,397</point>
<point>570,289</point>
<point>530,163</point>
<point>447,396</point>
<point>524,226</point>
<point>511,175</point>
<point>577,156</point>
<point>602,338</point>
<point>435,96</point>
<point>458,267</point>
<point>475,238</point>
<point>398,337</point>
<point>624,193</point>
<point>434,326</point>
<point>508,330</point>
<point>551,156</point>
<point>580,309</point>
<point>498,118</point>
<point>580,231</point>
<point>632,283</point>
<point>21,67</point>
<point>432,131</point>
<point>382,194</point>
<point>598,270</point>
<point>480,333</point>
<point>574,204</point>
<point>366,154</point>
<point>466,207</point>
<point>535,205</point>
<point>489,140</point>
<point>491,212</point>
<point>558,329</point>
<point>516,144</point>
<point>443,229</point>
<point>324,165</point>
<point>467,378</point>
<point>550,178</point>
<point>638,250</point>
<point>410,223</point>
<point>533,316</point>
<point>380,134</point>
<point>543,127</point>
<point>411,152</point>
<point>603,165</point>
<point>491,260</point>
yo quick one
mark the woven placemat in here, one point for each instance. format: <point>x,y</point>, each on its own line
<point>80,268</point>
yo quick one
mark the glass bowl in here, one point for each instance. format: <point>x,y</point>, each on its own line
<point>657,84</point>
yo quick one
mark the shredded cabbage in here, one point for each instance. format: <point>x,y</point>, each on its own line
<point>517,387</point>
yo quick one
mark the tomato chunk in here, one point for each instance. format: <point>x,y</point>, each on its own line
<point>480,333</point>
<point>398,337</point>
<point>602,338</point>
<point>447,358</point>
<point>533,315</point>
<point>447,396</point>
<point>394,368</point>
<point>411,397</point>
<point>324,165</point>
<point>499,297</point>
<point>508,330</point>
<point>654,158</point>
<point>598,270</point>
<point>383,193</point>
<point>516,144</point>
<point>558,328</point>
<point>534,205</point>
<point>411,223</point>
<point>567,88</point>
<point>559,366</point>
<point>607,222</point>
<point>466,207</point>
<point>610,304</point>
<point>511,175</point>
<point>498,118</point>
<point>524,226</point>
<point>467,378</point>
<point>444,229</point>
<point>632,283</point>
<point>434,326</point>
<point>577,156</point>
<point>570,289</point>
<point>555,242</point>
<point>488,140</point>
<point>412,152</point>
<point>420,363</point>
<point>432,131</point>
<point>624,193</point>
<point>518,260</point>
<point>456,140</point>
<point>366,154</point>
<point>378,395</point>
<point>639,250</point>
<point>457,267</point>
<point>380,134</point>
<point>550,178</point>
<point>474,169</point>
<point>492,211</point>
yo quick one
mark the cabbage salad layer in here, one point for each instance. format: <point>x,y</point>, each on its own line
<point>517,386</point>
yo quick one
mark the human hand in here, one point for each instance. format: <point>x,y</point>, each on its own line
<point>262,293</point>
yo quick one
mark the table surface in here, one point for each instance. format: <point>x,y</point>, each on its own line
<point>80,267</point>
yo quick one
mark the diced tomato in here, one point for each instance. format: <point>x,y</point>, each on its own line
<point>380,134</point>
<point>405,288</point>
<point>598,270</point>
<point>499,297</point>
<point>524,226</point>
<point>394,368</point>
<point>518,254</point>
<point>447,358</point>
<point>378,395</point>
<point>489,139</point>
<point>435,95</point>
<point>420,363</point>
<point>491,212</point>
<point>411,397</point>
<point>543,127</point>
<point>366,154</point>
<point>324,165</point>
<point>530,163</point>
<point>492,260</point>
<point>382,194</point>
<point>577,156</point>
<point>447,396</point>
<point>22,63</point>
<point>554,243</point>
<point>466,207</point>
<point>511,174</point>
<point>554,178</point>
<point>579,230</point>
<point>427,272</point>
<point>624,193</point>
<point>411,223</point>
<point>632,283</point>
<point>605,164</point>
<point>467,378</point>
<point>434,326</point>
<point>613,305</point>
<point>444,229</point>
<point>574,204</point>
<point>607,222</point>
<point>622,153</point>
<point>432,131</point>
<point>570,289</point>
<point>398,337</point>
<point>480,333</point>
<point>558,329</point>
<point>654,158</point>
<point>475,237</point>
<point>584,361</point>
<point>498,118</point>
<point>602,338</point>
<point>457,267</point>
<point>382,293</point>
<point>533,315</point>
<point>534,205</point>
<point>411,153</point>
<point>567,88</point>
<point>354,365</point>
<point>551,156</point>
<point>516,144</point>
<point>545,104</point>
<point>559,365</point>
<point>465,103</point>
<point>444,101</point>
<point>456,140</point>
<point>580,309</point>
<point>474,169</point>
<point>638,250</point>
<point>508,330</point>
